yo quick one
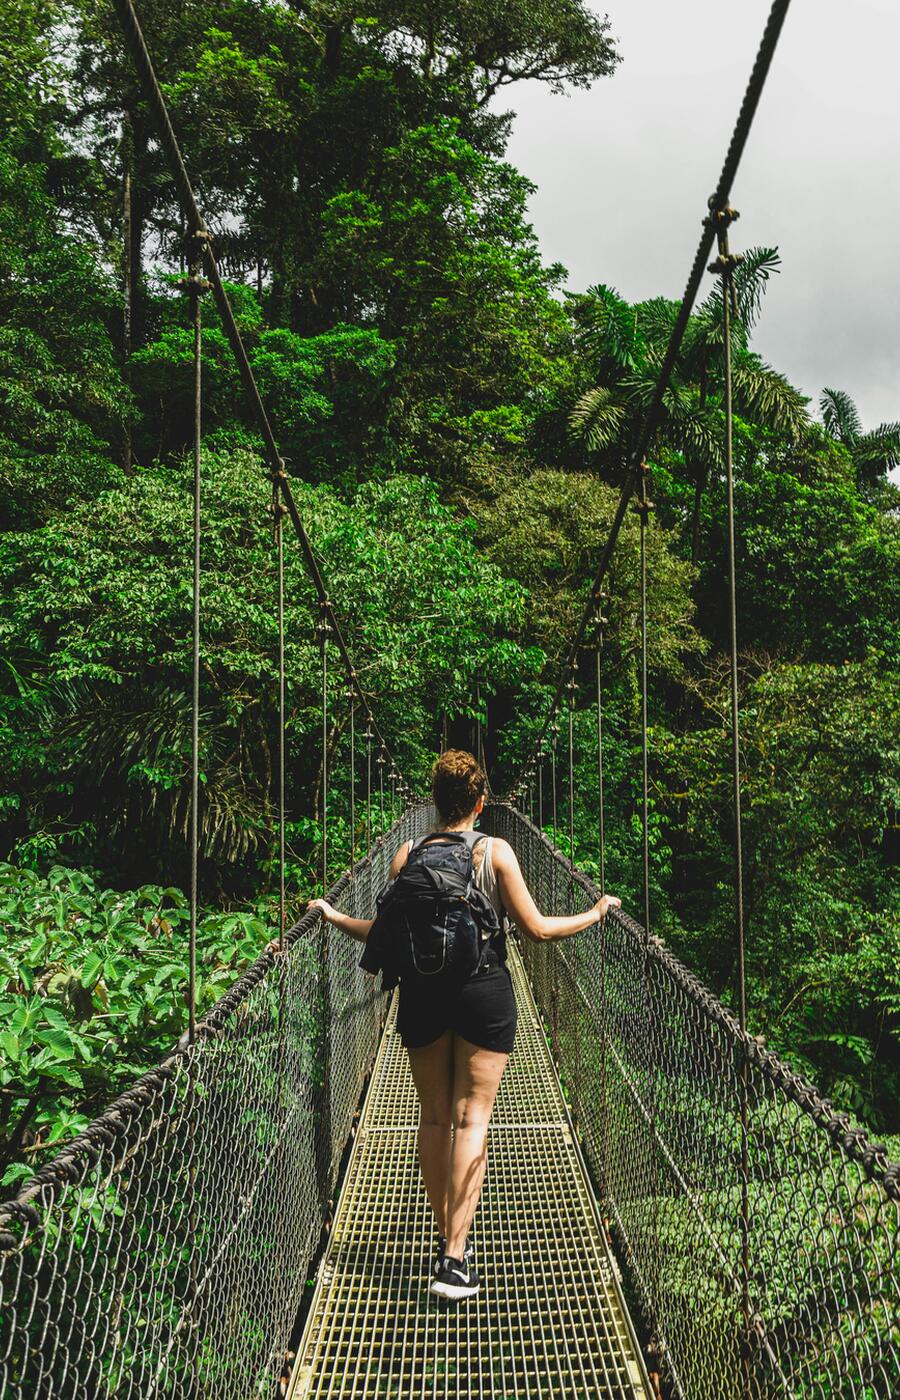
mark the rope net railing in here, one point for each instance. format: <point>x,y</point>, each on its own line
<point>658,1073</point>
<point>165,1251</point>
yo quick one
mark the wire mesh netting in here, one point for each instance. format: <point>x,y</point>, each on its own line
<point>165,1250</point>
<point>759,1230</point>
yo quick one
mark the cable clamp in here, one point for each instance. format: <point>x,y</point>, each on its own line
<point>193,282</point>
<point>725,263</point>
<point>722,217</point>
<point>324,628</point>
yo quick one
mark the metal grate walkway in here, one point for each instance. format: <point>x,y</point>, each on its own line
<point>549,1320</point>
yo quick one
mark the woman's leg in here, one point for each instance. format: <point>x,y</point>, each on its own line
<point>476,1079</point>
<point>432,1072</point>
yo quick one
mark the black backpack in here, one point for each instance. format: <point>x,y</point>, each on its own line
<point>431,919</point>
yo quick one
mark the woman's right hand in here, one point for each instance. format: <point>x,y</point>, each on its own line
<point>603,906</point>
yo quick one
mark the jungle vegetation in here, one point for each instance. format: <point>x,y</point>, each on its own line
<point>454,421</point>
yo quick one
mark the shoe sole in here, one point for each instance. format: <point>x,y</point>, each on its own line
<point>454,1291</point>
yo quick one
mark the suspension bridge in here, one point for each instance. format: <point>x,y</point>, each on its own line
<point>668,1207</point>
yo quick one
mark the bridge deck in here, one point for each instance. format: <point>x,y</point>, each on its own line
<point>549,1320</point>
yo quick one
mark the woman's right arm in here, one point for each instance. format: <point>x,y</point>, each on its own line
<point>520,906</point>
<point>357,928</point>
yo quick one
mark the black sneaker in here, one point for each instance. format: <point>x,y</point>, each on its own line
<point>468,1253</point>
<point>456,1278</point>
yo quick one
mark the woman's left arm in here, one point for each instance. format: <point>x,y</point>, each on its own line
<point>357,928</point>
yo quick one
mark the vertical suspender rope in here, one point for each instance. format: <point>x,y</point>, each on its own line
<point>643,506</point>
<point>554,737</point>
<point>600,808</point>
<point>571,770</point>
<point>553,744</point>
<point>195,286</point>
<point>368,738</point>
<point>323,636</point>
<point>723,217</point>
<point>600,811</point>
<point>279,512</point>
<point>352,699</point>
<point>540,787</point>
<point>380,761</point>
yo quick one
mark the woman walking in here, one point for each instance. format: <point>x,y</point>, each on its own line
<point>459,1034</point>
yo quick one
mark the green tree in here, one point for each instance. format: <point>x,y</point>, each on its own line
<point>874,454</point>
<point>624,347</point>
<point>95,735</point>
<point>63,400</point>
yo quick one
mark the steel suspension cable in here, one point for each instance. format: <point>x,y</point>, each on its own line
<point>196,225</point>
<point>645,434</point>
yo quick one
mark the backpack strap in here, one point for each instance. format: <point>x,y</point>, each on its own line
<point>471,838</point>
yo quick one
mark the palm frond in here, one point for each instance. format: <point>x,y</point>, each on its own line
<point>597,418</point>
<point>694,433</point>
<point>751,281</point>
<point>608,330</point>
<point>840,416</point>
<point>879,450</point>
<point>656,318</point>
<point>767,397</point>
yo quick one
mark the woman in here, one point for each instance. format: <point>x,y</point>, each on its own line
<point>459,1036</point>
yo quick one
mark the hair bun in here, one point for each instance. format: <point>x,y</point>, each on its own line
<point>457,782</point>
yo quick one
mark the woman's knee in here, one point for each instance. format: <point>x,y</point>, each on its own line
<point>437,1113</point>
<point>471,1113</point>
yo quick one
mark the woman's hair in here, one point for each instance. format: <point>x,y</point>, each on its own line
<point>457,782</point>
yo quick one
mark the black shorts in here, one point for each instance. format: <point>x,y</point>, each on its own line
<point>482,1009</point>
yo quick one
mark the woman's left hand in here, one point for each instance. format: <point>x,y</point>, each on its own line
<point>329,914</point>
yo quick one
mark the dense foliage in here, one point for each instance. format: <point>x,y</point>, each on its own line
<point>454,423</point>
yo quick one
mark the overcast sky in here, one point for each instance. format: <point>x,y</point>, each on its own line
<point>624,172</point>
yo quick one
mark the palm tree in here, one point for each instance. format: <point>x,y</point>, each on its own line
<point>625,345</point>
<point>873,454</point>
